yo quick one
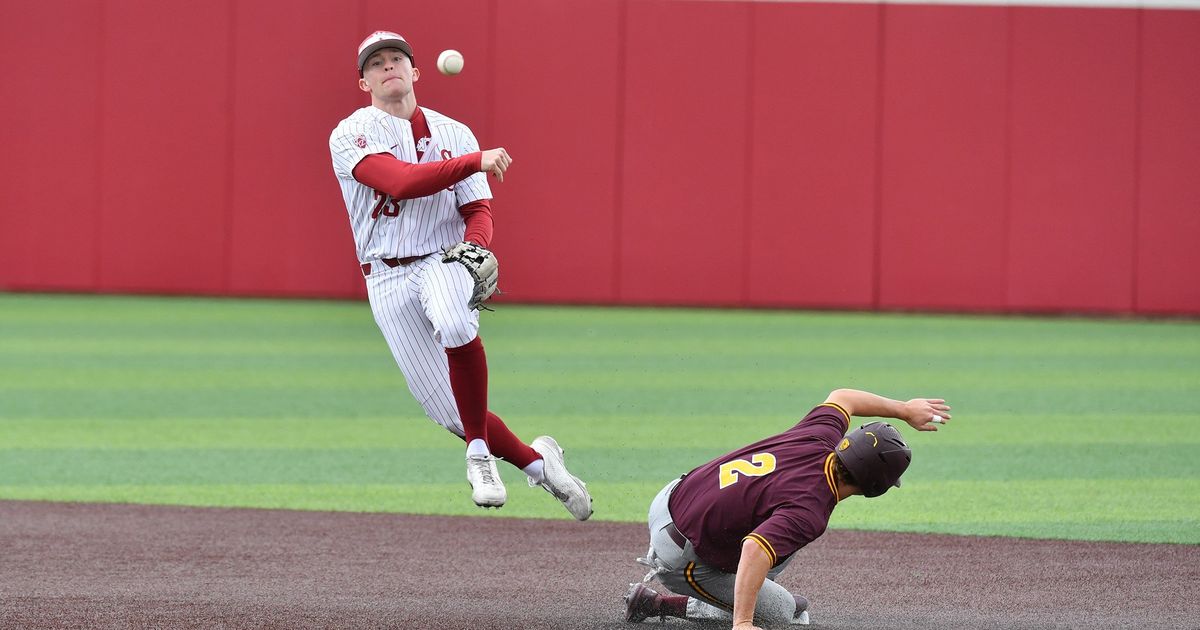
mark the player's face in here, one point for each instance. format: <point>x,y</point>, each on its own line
<point>388,75</point>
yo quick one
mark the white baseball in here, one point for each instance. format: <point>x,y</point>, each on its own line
<point>450,62</point>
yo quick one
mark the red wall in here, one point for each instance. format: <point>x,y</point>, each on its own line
<point>557,99</point>
<point>812,211</point>
<point>1073,139</point>
<point>285,237</point>
<point>49,226</point>
<point>942,234</point>
<point>666,151</point>
<point>1168,192</point>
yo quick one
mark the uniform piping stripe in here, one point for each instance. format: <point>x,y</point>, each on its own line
<point>691,580</point>
<point>830,478</point>
<point>766,547</point>
<point>839,408</point>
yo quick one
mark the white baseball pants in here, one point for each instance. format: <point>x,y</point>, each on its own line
<point>421,309</point>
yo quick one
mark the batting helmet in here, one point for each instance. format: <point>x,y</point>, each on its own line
<point>876,456</point>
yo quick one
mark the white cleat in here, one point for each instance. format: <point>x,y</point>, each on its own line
<point>557,481</point>
<point>487,490</point>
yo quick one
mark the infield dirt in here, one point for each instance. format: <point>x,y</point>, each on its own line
<point>133,566</point>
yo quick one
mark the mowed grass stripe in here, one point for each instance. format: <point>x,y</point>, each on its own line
<point>706,431</point>
<point>422,498</point>
<point>788,398</point>
<point>200,376</point>
<point>373,464</point>
<point>1085,509</point>
<point>298,404</point>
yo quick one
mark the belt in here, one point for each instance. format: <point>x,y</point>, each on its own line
<point>392,262</point>
<point>676,535</point>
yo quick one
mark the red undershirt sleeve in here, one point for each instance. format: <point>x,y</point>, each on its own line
<point>404,180</point>
<point>478,216</point>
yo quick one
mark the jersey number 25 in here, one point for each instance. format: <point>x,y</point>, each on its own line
<point>760,464</point>
<point>385,205</point>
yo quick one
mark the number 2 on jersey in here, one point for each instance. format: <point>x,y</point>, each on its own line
<point>760,464</point>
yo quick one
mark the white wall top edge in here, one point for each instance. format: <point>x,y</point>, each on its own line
<point>1097,4</point>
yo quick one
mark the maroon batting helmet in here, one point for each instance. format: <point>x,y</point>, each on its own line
<point>876,456</point>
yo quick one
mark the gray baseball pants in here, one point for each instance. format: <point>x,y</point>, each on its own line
<point>709,590</point>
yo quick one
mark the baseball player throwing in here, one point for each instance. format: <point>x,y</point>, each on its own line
<point>720,534</point>
<point>416,188</point>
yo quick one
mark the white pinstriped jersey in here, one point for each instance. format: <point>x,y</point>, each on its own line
<point>396,228</point>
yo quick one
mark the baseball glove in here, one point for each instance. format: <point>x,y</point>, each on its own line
<point>481,264</point>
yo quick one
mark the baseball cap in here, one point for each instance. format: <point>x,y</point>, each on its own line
<point>378,40</point>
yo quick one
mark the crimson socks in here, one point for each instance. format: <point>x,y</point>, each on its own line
<point>468,380</point>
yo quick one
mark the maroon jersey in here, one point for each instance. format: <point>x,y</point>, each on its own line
<point>779,492</point>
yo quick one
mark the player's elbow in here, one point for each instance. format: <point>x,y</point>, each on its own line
<point>837,394</point>
<point>843,398</point>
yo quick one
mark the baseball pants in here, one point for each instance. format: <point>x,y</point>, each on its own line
<point>421,309</point>
<point>709,590</point>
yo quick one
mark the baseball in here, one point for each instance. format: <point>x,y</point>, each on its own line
<point>450,62</point>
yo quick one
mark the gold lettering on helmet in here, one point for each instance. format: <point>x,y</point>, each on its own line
<point>873,437</point>
<point>844,445</point>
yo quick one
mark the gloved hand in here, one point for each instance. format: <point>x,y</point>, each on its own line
<point>481,264</point>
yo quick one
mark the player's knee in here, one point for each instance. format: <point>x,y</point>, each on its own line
<point>774,607</point>
<point>442,410</point>
<point>675,581</point>
<point>460,333</point>
<point>773,617</point>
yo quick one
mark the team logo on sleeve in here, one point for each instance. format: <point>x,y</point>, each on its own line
<point>844,445</point>
<point>360,142</point>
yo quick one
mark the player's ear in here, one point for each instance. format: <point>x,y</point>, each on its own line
<point>363,85</point>
<point>416,74</point>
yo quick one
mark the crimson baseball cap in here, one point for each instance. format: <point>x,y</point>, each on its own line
<point>378,40</point>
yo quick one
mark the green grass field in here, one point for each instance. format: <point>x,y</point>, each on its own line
<point>1063,428</point>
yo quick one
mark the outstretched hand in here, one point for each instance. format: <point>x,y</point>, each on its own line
<point>924,414</point>
<point>495,161</point>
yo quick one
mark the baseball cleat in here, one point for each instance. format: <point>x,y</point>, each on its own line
<point>559,482</point>
<point>641,603</point>
<point>487,490</point>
